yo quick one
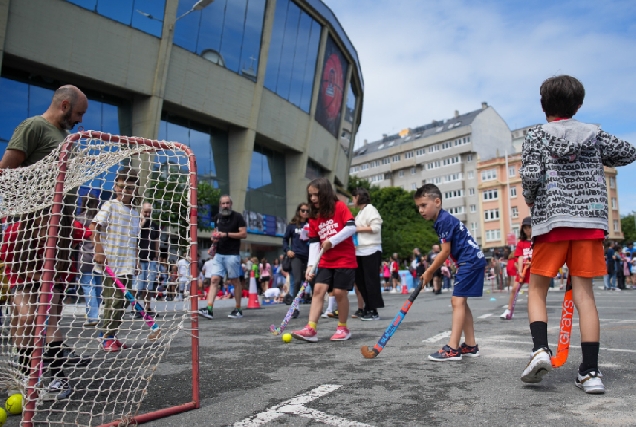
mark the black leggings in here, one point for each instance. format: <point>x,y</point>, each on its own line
<point>368,280</point>
<point>298,268</point>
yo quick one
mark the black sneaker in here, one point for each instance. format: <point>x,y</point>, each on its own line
<point>295,314</point>
<point>236,314</point>
<point>205,313</point>
<point>371,315</point>
<point>445,354</point>
<point>469,351</point>
<point>359,313</point>
<point>333,314</point>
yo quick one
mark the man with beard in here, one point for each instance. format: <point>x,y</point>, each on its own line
<point>230,229</point>
<point>33,140</point>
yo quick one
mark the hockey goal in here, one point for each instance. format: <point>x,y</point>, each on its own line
<point>73,343</point>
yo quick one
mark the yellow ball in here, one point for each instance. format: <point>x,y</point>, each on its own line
<point>13,405</point>
<point>287,337</point>
<point>3,417</point>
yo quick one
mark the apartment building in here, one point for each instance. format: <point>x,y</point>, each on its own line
<point>503,207</point>
<point>444,153</point>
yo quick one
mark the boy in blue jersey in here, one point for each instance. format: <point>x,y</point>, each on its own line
<point>457,242</point>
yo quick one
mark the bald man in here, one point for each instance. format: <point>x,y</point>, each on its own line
<point>33,140</point>
<point>38,136</point>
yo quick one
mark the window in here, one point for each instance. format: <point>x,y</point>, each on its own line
<point>446,145</point>
<point>396,158</point>
<point>413,170</point>
<point>433,148</point>
<point>614,204</point>
<point>401,173</point>
<point>511,171</point>
<point>436,180</point>
<point>473,228</point>
<point>493,235</point>
<point>450,160</point>
<point>420,152</point>
<point>491,214</point>
<point>513,191</point>
<point>365,166</point>
<point>434,165</point>
<point>471,191</point>
<point>473,208</point>
<point>490,195</point>
<point>386,160</point>
<point>616,226</point>
<point>413,186</point>
<point>456,210</point>
<point>515,212</point>
<point>515,230</point>
<point>489,175</point>
<point>408,155</point>
<point>377,178</point>
<point>375,163</point>
<point>453,177</point>
<point>146,16</point>
<point>612,181</point>
<point>469,158</point>
<point>453,194</point>
<point>266,183</point>
<point>471,175</point>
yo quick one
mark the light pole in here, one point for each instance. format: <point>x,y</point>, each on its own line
<point>200,5</point>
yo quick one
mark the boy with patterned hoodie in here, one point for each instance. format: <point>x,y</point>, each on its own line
<point>564,184</point>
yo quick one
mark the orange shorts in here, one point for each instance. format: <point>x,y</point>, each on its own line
<point>584,258</point>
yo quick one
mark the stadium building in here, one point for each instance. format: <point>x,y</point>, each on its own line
<point>268,93</point>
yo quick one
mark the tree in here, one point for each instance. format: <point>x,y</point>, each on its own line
<point>629,227</point>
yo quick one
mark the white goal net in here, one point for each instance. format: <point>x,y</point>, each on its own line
<point>98,263</point>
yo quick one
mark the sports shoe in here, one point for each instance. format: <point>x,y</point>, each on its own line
<point>333,314</point>
<point>307,333</point>
<point>236,314</point>
<point>295,314</point>
<point>113,345</point>
<point>539,365</point>
<point>205,313</point>
<point>91,323</point>
<point>393,291</point>
<point>469,350</point>
<point>370,315</point>
<point>446,353</point>
<point>359,313</point>
<point>590,382</point>
<point>326,314</point>
<point>342,334</point>
<point>506,315</point>
<point>59,389</point>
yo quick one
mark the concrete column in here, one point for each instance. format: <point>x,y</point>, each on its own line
<point>4,20</point>
<point>296,164</point>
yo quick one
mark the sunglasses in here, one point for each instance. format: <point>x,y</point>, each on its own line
<point>304,210</point>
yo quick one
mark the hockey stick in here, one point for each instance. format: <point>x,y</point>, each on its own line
<point>279,330</point>
<point>370,353</point>
<point>567,312</point>
<point>156,331</point>
<point>519,285</point>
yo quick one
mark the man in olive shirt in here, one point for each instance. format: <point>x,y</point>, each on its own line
<point>38,136</point>
<point>33,140</point>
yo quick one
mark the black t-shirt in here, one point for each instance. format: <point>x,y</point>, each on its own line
<point>229,224</point>
<point>149,233</point>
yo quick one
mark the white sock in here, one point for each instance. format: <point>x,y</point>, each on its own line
<point>330,305</point>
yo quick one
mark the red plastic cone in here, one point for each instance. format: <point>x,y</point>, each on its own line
<point>405,286</point>
<point>252,301</point>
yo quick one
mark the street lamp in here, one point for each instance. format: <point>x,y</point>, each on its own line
<point>200,5</point>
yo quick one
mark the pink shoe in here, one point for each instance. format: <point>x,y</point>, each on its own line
<point>342,334</point>
<point>111,346</point>
<point>307,333</point>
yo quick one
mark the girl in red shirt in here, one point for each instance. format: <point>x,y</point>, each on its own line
<point>331,227</point>
<point>523,254</point>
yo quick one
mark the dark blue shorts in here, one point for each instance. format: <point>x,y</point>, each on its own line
<point>469,283</point>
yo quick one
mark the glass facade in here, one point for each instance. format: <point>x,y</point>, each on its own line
<point>227,32</point>
<point>293,52</point>
<point>266,183</point>
<point>143,15</point>
<point>351,104</point>
<point>209,146</point>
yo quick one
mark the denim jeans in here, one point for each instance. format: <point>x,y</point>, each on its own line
<point>147,276</point>
<point>446,282</point>
<point>92,286</point>
<point>610,281</point>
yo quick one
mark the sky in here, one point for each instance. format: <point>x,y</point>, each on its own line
<point>421,60</point>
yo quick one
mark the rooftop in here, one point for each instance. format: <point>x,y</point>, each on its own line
<point>433,128</point>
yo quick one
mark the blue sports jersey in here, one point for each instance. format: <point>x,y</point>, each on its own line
<point>464,250</point>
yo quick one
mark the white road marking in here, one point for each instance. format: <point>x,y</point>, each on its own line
<point>437,337</point>
<point>295,406</point>
<point>483,316</point>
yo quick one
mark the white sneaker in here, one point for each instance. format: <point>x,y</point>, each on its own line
<point>590,383</point>
<point>539,365</point>
<point>394,291</point>
<point>59,389</point>
<point>326,314</point>
<point>505,315</point>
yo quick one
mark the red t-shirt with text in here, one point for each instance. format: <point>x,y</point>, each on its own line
<point>342,255</point>
<point>524,250</point>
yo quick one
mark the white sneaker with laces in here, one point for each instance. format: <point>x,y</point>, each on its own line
<point>59,389</point>
<point>505,315</point>
<point>539,365</point>
<point>590,383</point>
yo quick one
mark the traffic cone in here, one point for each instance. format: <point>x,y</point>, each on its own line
<point>405,286</point>
<point>252,301</point>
